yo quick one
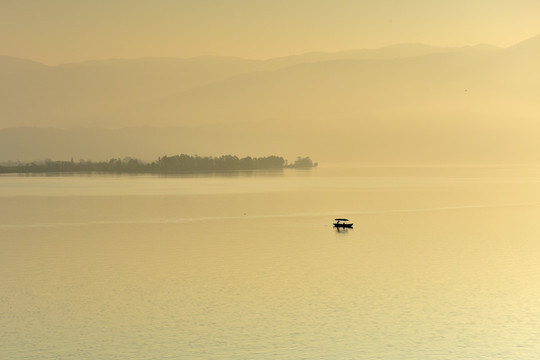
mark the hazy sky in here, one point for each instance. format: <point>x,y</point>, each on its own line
<point>58,31</point>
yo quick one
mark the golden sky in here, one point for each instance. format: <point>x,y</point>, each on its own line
<point>59,31</point>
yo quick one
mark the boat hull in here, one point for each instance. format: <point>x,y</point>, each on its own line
<point>337,225</point>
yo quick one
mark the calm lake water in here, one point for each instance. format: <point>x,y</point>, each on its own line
<point>442,263</point>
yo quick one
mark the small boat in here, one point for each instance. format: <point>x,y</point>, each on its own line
<point>340,224</point>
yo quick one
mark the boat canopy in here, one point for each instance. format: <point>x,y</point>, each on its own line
<point>341,219</point>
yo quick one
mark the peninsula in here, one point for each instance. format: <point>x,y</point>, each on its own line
<point>164,165</point>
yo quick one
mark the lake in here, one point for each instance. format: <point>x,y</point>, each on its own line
<point>442,263</point>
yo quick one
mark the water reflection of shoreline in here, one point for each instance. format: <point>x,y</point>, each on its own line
<point>215,174</point>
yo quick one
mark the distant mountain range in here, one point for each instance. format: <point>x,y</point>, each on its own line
<point>393,103</point>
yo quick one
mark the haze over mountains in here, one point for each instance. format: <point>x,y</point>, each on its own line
<point>409,102</point>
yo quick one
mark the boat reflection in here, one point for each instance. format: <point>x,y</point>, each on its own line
<point>340,230</point>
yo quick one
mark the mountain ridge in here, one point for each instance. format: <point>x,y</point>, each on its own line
<point>412,104</point>
<point>420,47</point>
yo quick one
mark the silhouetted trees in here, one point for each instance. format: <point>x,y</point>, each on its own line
<point>167,164</point>
<point>303,163</point>
<point>187,163</point>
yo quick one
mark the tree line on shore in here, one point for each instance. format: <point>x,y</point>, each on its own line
<point>167,164</point>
